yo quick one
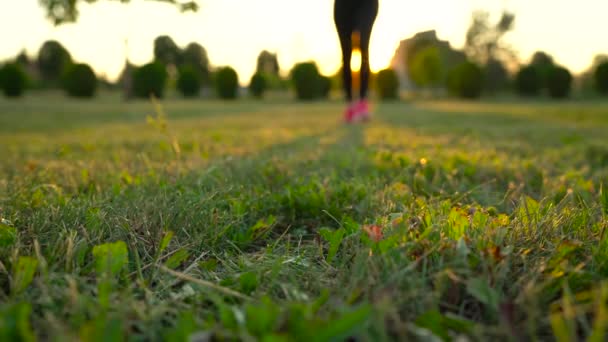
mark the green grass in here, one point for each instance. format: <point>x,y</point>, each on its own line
<point>250,220</point>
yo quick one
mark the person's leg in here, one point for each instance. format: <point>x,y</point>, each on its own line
<point>366,18</point>
<point>343,18</point>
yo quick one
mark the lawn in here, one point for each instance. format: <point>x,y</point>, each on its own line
<point>274,221</point>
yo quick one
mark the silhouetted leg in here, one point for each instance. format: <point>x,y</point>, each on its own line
<point>365,70</point>
<point>343,17</point>
<point>347,77</point>
<point>366,18</point>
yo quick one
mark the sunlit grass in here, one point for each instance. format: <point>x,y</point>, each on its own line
<point>274,220</point>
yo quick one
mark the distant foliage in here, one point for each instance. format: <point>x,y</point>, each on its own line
<point>53,60</point>
<point>196,57</point>
<point>188,81</point>
<point>496,76</point>
<point>13,80</point>
<point>23,59</point>
<point>466,81</point>
<point>485,39</point>
<point>528,81</point>
<point>79,80</point>
<point>166,51</point>
<point>559,82</point>
<point>324,87</point>
<point>66,11</point>
<point>150,79</point>
<point>601,78</point>
<point>268,63</point>
<point>308,83</point>
<point>544,64</point>
<point>227,83</point>
<point>427,67</point>
<point>258,85</point>
<point>387,84</point>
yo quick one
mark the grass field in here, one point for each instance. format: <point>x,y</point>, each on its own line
<point>273,221</point>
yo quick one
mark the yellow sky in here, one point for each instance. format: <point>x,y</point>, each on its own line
<point>235,31</point>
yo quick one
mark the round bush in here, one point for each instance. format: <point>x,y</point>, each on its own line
<point>496,76</point>
<point>324,86</point>
<point>559,82</point>
<point>305,78</point>
<point>53,61</point>
<point>13,80</point>
<point>466,81</point>
<point>188,81</point>
<point>387,84</point>
<point>601,78</point>
<point>150,79</point>
<point>258,85</point>
<point>227,83</point>
<point>79,80</point>
<point>528,81</point>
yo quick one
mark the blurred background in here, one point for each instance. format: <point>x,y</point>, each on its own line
<point>504,46</point>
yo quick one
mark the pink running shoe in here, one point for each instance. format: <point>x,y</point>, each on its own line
<point>362,112</point>
<point>350,113</point>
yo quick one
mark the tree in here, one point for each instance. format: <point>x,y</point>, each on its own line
<point>404,58</point>
<point>484,40</point>
<point>150,79</point>
<point>195,56</point>
<point>543,62</point>
<point>587,80</point>
<point>268,63</point>
<point>166,51</point>
<point>387,84</point>
<point>559,82</point>
<point>188,81</point>
<point>258,85</point>
<point>485,46</point>
<point>541,58</point>
<point>466,81</point>
<point>427,68</point>
<point>53,59</point>
<point>308,83</point>
<point>227,83</point>
<point>601,78</point>
<point>528,81</point>
<point>79,80</point>
<point>63,11</point>
<point>13,80</point>
<point>23,59</point>
<point>496,76</point>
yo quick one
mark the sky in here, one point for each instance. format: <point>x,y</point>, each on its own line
<point>234,32</point>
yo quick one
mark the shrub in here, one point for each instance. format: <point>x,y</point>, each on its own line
<point>559,82</point>
<point>387,84</point>
<point>227,83</point>
<point>13,80</point>
<point>150,79</point>
<point>79,80</point>
<point>196,56</point>
<point>528,81</point>
<point>324,86</point>
<point>188,81</point>
<point>258,85</point>
<point>427,68</point>
<point>466,81</point>
<point>496,76</point>
<point>601,78</point>
<point>305,79</point>
<point>53,60</point>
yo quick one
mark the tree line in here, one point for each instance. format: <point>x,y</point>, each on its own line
<point>486,65</point>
